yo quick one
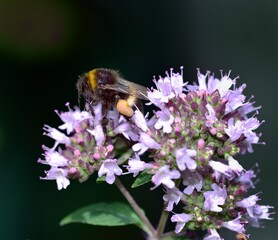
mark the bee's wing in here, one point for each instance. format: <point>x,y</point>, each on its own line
<point>128,87</point>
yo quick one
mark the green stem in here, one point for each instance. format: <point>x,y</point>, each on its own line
<point>164,217</point>
<point>162,223</point>
<point>169,234</point>
<point>137,209</point>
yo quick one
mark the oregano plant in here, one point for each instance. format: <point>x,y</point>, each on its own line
<point>193,141</point>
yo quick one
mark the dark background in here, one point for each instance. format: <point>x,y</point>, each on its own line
<point>45,45</point>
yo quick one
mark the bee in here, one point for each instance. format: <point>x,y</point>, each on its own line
<point>107,87</point>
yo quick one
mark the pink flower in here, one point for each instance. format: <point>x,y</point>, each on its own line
<point>59,175</point>
<point>234,225</point>
<point>184,159</point>
<point>164,176</point>
<point>181,220</point>
<point>213,235</point>
<point>172,196</point>
<point>145,143</point>
<point>215,198</point>
<point>135,165</point>
<point>110,168</point>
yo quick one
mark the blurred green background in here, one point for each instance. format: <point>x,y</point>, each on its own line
<point>46,44</point>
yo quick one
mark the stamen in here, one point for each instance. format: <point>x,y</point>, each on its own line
<point>171,71</point>
<point>221,71</point>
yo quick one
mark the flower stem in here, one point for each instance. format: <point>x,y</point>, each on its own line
<point>169,234</point>
<point>137,209</point>
<point>162,223</point>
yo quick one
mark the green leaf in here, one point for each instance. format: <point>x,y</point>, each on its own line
<point>143,178</point>
<point>101,179</point>
<point>125,156</point>
<point>105,214</point>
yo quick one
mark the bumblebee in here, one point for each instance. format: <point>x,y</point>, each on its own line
<point>107,87</point>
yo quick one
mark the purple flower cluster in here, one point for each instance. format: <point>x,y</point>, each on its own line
<point>87,146</point>
<point>192,137</point>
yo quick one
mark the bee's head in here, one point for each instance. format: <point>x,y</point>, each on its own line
<point>85,89</point>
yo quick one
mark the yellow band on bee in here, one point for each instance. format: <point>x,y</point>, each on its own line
<point>92,79</point>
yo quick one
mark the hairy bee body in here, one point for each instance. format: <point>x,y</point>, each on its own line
<point>108,87</point>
